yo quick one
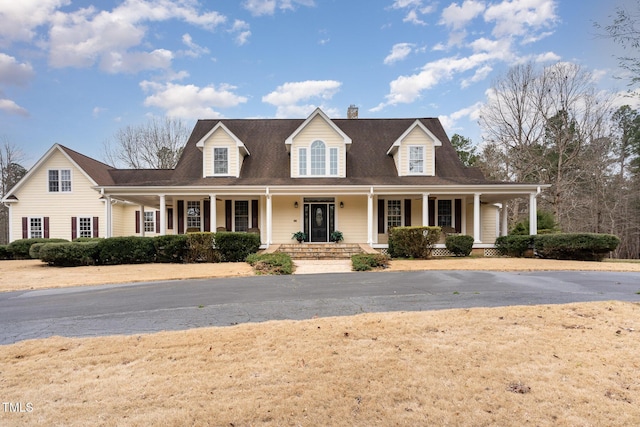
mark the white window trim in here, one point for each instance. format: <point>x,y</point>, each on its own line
<point>186,213</point>
<point>213,161</point>
<point>60,191</point>
<point>41,218</point>
<point>453,212</point>
<point>424,150</point>
<point>152,222</point>
<point>327,161</point>
<point>386,213</point>
<point>233,212</point>
<point>78,231</point>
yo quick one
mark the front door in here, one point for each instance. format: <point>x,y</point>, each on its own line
<point>319,223</point>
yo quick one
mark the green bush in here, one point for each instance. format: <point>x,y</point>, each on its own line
<point>87,239</point>
<point>235,247</point>
<point>514,245</point>
<point>413,242</point>
<point>70,254</point>
<point>126,250</point>
<point>459,244</point>
<point>575,246</point>
<point>365,262</point>
<point>274,263</point>
<point>201,247</point>
<point>545,221</point>
<point>34,250</point>
<point>19,249</point>
<point>4,252</point>
<point>171,248</point>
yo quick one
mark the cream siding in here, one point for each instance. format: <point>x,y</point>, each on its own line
<point>488,215</point>
<point>287,219</point>
<point>318,129</point>
<point>35,200</point>
<point>416,137</point>
<point>220,138</point>
<point>352,219</point>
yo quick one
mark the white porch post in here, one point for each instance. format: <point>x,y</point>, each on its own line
<point>212,212</point>
<point>108,212</point>
<point>476,218</point>
<point>370,217</point>
<point>505,219</point>
<point>163,215</point>
<point>533,218</point>
<point>142,220</point>
<point>425,209</point>
<point>269,218</point>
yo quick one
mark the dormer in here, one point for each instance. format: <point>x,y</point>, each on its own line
<point>222,152</point>
<point>414,153</point>
<point>318,148</point>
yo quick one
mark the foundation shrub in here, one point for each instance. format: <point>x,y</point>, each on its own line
<point>70,254</point>
<point>514,245</point>
<point>366,262</point>
<point>201,247</point>
<point>413,242</point>
<point>575,246</point>
<point>4,252</point>
<point>459,244</point>
<point>19,249</point>
<point>34,250</point>
<point>275,263</point>
<point>126,250</point>
<point>236,246</point>
<point>172,248</point>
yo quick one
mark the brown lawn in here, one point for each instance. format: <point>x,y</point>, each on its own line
<point>562,365</point>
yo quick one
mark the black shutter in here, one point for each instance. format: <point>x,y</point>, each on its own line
<point>254,214</point>
<point>407,212</point>
<point>96,227</point>
<point>227,215</point>
<point>25,227</point>
<point>458,215</point>
<point>180,216</point>
<point>45,224</point>
<point>74,228</point>
<point>380,216</point>
<point>170,218</point>
<point>206,210</point>
<point>137,222</point>
<point>158,222</point>
<point>432,212</point>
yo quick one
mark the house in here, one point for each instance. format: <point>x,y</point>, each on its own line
<point>275,177</point>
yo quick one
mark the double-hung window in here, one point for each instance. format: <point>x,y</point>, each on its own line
<point>149,222</point>
<point>302,161</point>
<point>193,214</point>
<point>416,159</point>
<point>85,226</point>
<point>220,161</point>
<point>317,159</point>
<point>59,180</point>
<point>36,228</point>
<point>445,217</point>
<point>394,213</point>
<point>241,215</point>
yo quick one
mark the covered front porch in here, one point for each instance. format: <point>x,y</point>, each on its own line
<point>363,214</point>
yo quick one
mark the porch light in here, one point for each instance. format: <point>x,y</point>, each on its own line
<point>295,205</point>
<point>341,205</point>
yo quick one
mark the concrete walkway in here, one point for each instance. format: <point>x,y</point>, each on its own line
<point>307,266</point>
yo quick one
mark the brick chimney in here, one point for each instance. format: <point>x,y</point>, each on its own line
<point>352,112</point>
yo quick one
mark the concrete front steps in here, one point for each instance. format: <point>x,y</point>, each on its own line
<point>321,251</point>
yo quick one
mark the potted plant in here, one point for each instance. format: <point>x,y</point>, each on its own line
<point>336,236</point>
<point>300,236</point>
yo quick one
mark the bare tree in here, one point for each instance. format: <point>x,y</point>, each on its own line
<point>11,171</point>
<point>156,144</point>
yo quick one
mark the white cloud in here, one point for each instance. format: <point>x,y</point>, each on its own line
<point>190,101</point>
<point>21,18</point>
<point>287,97</point>
<point>97,111</point>
<point>480,74</point>
<point>11,107</point>
<point>517,17</point>
<point>14,73</point>
<point>399,51</point>
<point>241,30</point>
<point>268,7</point>
<point>415,9</point>
<point>456,17</point>
<point>450,122</point>
<point>195,50</point>
<point>88,36</point>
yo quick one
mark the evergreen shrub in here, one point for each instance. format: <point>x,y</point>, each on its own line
<point>70,254</point>
<point>236,246</point>
<point>126,250</point>
<point>171,248</point>
<point>575,246</point>
<point>514,245</point>
<point>274,263</point>
<point>19,249</point>
<point>459,244</point>
<point>366,262</point>
<point>413,242</point>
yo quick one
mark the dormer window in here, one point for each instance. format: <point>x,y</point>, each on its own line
<point>220,161</point>
<point>416,159</point>
<point>318,162</point>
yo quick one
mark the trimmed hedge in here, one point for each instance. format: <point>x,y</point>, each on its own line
<point>201,247</point>
<point>514,245</point>
<point>575,246</point>
<point>4,252</point>
<point>459,244</point>
<point>274,263</point>
<point>172,248</point>
<point>70,254</point>
<point>236,246</point>
<point>365,262</point>
<point>126,250</point>
<point>19,249</point>
<point>413,242</point>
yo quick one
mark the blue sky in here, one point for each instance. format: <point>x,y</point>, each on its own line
<point>73,72</point>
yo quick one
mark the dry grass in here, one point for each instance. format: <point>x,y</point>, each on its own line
<point>562,365</point>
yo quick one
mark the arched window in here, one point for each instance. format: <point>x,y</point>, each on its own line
<point>318,158</point>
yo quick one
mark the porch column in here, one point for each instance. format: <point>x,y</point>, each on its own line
<point>142,220</point>
<point>505,219</point>
<point>212,212</point>
<point>476,218</point>
<point>370,218</point>
<point>163,215</point>
<point>425,209</point>
<point>107,213</point>
<point>269,218</point>
<point>533,218</point>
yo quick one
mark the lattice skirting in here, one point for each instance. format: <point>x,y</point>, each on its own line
<point>491,252</point>
<point>441,252</point>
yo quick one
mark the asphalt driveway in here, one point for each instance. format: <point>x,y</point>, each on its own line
<point>176,305</point>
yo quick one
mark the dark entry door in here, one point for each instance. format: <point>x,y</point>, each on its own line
<point>319,223</point>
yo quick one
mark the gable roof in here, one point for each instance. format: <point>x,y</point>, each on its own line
<point>317,112</point>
